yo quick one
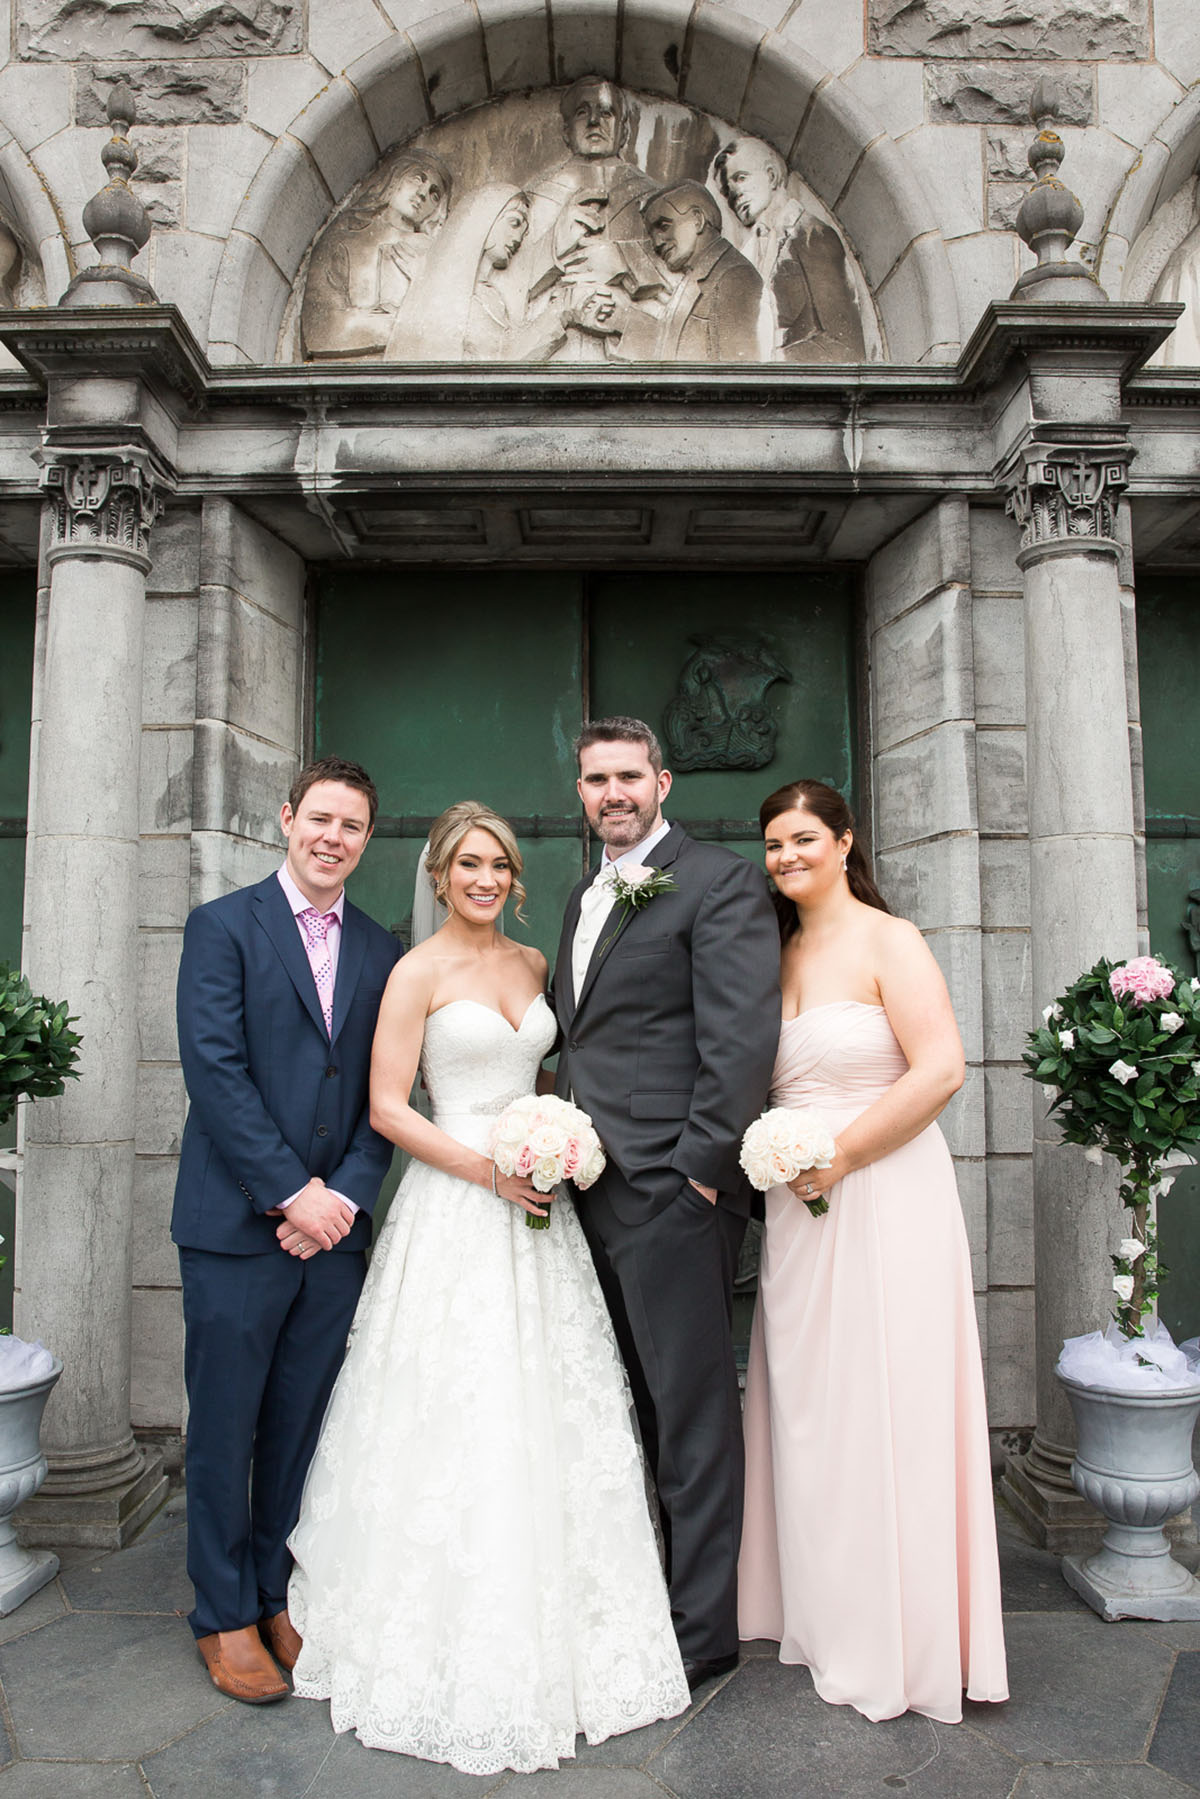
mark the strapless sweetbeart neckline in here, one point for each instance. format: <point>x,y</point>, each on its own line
<point>827,1005</point>
<point>480,1006</point>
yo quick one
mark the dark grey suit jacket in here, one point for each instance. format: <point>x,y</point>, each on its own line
<point>671,1042</point>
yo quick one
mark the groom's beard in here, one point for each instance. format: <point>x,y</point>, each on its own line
<point>621,827</point>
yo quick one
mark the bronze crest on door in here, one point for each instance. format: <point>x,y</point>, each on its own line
<point>719,717</point>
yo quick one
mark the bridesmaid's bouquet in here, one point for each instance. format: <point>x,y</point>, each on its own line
<point>782,1144</point>
<point>548,1140</point>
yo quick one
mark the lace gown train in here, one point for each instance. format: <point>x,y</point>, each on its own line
<point>477,1578</point>
<point>869,1548</point>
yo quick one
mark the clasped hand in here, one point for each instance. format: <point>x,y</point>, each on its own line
<point>520,1190</point>
<point>315,1220</point>
<point>814,1183</point>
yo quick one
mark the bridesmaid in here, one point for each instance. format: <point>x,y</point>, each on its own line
<point>869,1546</point>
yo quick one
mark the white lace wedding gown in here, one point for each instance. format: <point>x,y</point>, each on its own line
<point>477,1578</point>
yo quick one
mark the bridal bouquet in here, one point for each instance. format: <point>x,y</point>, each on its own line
<point>1118,1056</point>
<point>548,1140</point>
<point>782,1144</point>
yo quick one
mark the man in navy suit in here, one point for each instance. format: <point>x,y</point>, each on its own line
<point>279,989</point>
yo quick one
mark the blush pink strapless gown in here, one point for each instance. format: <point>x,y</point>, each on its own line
<point>869,1548</point>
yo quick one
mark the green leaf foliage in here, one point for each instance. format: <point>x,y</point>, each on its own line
<point>37,1044</point>
<point>1159,1109</point>
<point>1139,1120</point>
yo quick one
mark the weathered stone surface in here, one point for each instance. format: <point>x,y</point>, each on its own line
<point>1075,28</point>
<point>156,1371</point>
<point>1008,156</point>
<point>975,93</point>
<point>74,29</point>
<point>1004,202</point>
<point>175,93</point>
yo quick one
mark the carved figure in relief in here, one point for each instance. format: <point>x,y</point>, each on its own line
<point>367,258</point>
<point>587,235</point>
<point>713,312</point>
<point>10,266</point>
<point>813,310</point>
<point>719,716</point>
<point>464,308</point>
<point>1180,280</point>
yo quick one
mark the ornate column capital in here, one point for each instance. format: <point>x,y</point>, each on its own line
<point>102,502</point>
<point>1064,495</point>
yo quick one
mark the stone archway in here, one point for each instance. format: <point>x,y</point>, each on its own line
<point>1142,230</point>
<point>35,253</point>
<point>763,82</point>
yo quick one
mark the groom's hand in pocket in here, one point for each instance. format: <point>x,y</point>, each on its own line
<point>708,1193</point>
<point>316,1219</point>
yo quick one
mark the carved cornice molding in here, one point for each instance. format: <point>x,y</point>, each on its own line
<point>1064,495</point>
<point>102,502</point>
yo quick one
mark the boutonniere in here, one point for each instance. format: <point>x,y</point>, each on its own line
<point>636,885</point>
<point>633,887</point>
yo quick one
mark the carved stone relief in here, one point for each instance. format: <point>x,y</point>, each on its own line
<point>581,225</point>
<point>719,716</point>
<point>100,505</point>
<point>69,30</point>
<point>1099,29</point>
<point>1164,264</point>
<point>1059,493</point>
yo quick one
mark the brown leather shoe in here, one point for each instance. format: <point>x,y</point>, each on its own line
<point>240,1667</point>
<point>282,1639</point>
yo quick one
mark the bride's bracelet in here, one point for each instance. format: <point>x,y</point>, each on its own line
<point>495,1189</point>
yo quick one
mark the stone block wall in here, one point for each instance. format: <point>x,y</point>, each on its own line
<point>1005,962</point>
<point>222,697</point>
<point>951,850</point>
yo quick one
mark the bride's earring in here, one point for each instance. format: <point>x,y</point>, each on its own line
<point>843,864</point>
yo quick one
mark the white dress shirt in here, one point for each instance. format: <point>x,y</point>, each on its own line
<point>596,903</point>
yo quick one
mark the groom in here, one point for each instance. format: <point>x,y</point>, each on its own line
<point>670,1022</point>
<point>279,988</point>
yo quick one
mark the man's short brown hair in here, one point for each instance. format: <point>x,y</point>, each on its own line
<point>335,768</point>
<point>621,730</point>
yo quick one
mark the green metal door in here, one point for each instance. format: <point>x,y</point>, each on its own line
<point>1168,621</point>
<point>454,686</point>
<point>474,685</point>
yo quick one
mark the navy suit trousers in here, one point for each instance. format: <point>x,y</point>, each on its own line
<point>265,1339</point>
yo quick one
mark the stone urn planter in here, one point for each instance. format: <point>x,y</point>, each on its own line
<point>22,1470</point>
<point>1134,1464</point>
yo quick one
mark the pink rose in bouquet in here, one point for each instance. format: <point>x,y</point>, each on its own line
<point>1142,979</point>
<point>547,1140</point>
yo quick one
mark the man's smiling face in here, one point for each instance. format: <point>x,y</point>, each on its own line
<point>326,835</point>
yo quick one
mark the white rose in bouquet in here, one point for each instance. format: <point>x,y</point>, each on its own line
<point>549,1140</point>
<point>782,1144</point>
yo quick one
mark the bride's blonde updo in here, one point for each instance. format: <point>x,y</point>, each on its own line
<point>446,835</point>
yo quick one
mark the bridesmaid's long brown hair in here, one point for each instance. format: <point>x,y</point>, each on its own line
<point>827,804</point>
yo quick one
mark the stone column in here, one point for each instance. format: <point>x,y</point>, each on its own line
<point>1083,889</point>
<point>74,1222</point>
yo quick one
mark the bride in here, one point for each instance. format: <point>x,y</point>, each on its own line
<point>477,1578</point>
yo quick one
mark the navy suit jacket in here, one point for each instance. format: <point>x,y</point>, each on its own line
<point>274,1098</point>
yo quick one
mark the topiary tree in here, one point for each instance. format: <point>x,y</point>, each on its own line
<point>37,1045</point>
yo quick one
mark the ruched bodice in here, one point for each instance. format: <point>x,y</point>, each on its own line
<point>838,1058</point>
<point>475,1063</point>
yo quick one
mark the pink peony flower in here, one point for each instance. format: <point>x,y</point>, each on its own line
<point>526,1160</point>
<point>1142,979</point>
<point>572,1157</point>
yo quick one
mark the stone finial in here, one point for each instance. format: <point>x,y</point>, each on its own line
<point>115,220</point>
<point>1050,215</point>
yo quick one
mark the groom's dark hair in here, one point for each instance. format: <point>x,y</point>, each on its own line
<point>335,768</point>
<point>621,730</point>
